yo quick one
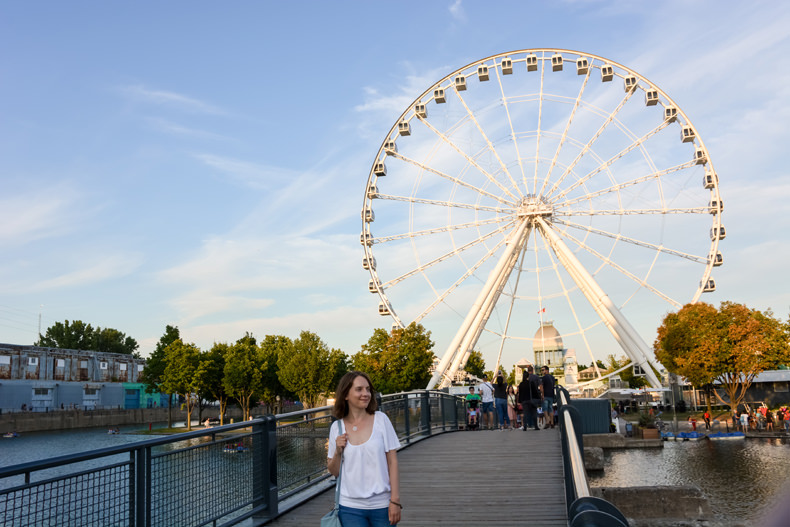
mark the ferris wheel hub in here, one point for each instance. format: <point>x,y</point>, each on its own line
<point>532,206</point>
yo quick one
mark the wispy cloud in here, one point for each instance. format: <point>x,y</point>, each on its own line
<point>170,99</point>
<point>169,127</point>
<point>97,270</point>
<point>252,175</point>
<point>457,11</point>
<point>44,213</point>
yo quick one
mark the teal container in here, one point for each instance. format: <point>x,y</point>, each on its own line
<point>596,415</point>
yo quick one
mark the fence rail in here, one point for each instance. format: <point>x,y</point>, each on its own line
<point>217,476</point>
<point>583,508</point>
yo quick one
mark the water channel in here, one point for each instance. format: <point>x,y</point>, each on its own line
<point>744,480</point>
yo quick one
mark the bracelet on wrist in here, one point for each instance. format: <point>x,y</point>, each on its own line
<point>396,503</point>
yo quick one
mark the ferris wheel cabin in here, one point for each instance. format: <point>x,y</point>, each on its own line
<point>438,95</point>
<point>507,66</point>
<point>710,179</point>
<point>532,62</point>
<point>404,128</point>
<point>716,206</point>
<point>369,263</point>
<point>582,66</point>
<point>373,191</point>
<point>420,110</point>
<point>629,83</point>
<point>373,286</point>
<point>368,215</point>
<point>390,147</point>
<point>482,72</point>
<point>670,114</point>
<point>366,239</point>
<point>651,97</point>
<point>607,73</point>
<point>460,83</point>
<point>687,134</point>
<point>709,287</point>
<point>380,169</point>
<point>717,259</point>
<point>718,233</point>
<point>556,62</point>
<point>384,309</point>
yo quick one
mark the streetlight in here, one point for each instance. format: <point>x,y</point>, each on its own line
<point>672,383</point>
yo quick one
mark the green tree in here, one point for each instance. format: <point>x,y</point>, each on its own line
<point>243,372</point>
<point>312,370</point>
<point>76,335</point>
<point>155,365</point>
<point>272,347</point>
<point>111,340</point>
<point>181,373</point>
<point>397,361</point>
<point>729,346</point>
<point>475,365</point>
<point>209,378</point>
<point>627,375</point>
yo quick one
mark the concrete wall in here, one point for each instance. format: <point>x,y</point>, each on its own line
<point>70,419</point>
<point>660,506</point>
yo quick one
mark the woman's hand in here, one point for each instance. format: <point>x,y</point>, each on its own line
<point>341,442</point>
<point>394,513</point>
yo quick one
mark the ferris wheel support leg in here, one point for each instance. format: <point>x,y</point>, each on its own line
<point>442,371</point>
<point>481,319</point>
<point>618,325</point>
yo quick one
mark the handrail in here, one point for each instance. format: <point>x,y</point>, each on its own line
<point>283,461</point>
<point>583,508</point>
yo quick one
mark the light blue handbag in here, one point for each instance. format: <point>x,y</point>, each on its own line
<point>332,518</point>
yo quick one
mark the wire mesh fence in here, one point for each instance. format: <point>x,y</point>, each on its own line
<point>218,476</point>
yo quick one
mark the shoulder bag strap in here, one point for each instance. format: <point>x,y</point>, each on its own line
<point>340,470</point>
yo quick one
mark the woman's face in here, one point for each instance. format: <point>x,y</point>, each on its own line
<point>359,395</point>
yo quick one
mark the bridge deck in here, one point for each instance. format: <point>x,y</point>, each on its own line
<point>471,478</point>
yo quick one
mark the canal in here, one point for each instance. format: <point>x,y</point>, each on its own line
<point>744,480</point>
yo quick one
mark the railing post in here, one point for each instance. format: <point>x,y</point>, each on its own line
<point>406,416</point>
<point>264,468</point>
<point>442,402</point>
<point>425,412</point>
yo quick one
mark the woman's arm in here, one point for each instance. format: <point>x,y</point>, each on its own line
<point>395,503</point>
<point>333,464</point>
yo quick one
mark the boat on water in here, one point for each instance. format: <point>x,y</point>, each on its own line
<point>726,436</point>
<point>10,435</point>
<point>690,436</point>
<point>234,449</point>
<point>667,436</point>
<point>113,431</point>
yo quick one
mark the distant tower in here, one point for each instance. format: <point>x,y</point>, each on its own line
<point>547,345</point>
<point>571,368</point>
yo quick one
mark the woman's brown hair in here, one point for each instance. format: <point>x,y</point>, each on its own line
<point>340,410</point>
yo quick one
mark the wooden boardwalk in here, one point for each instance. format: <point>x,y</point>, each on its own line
<point>469,479</point>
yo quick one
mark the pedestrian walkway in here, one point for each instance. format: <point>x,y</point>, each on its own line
<point>471,478</point>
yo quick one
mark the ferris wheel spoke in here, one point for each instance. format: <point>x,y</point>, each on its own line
<point>564,136</point>
<point>628,212</point>
<point>611,263</point>
<point>506,105</point>
<point>635,144</point>
<point>592,141</point>
<point>620,186</point>
<point>470,159</point>
<point>503,336</point>
<point>447,255</point>
<point>555,265</point>
<point>448,228</point>
<point>448,177</point>
<point>469,272</point>
<point>633,241</point>
<point>455,204</point>
<point>540,122</point>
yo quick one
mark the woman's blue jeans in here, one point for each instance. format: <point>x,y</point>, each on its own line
<point>351,517</point>
<point>501,411</point>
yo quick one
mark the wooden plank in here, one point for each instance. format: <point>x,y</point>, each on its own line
<point>468,478</point>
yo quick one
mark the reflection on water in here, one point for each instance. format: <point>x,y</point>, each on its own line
<point>742,479</point>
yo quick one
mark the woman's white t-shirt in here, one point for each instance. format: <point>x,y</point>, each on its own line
<point>365,481</point>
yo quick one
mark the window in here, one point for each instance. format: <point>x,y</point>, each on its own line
<point>60,363</point>
<point>139,367</point>
<point>40,391</point>
<point>32,361</point>
<point>5,359</point>
<point>780,386</point>
<point>91,391</point>
<point>122,367</point>
<point>84,364</point>
<point>131,392</point>
<point>102,365</point>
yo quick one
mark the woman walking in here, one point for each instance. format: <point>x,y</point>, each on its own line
<point>500,400</point>
<point>512,407</point>
<point>369,489</point>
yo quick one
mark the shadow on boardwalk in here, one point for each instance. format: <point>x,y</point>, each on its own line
<point>471,478</point>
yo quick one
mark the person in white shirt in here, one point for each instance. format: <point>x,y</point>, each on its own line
<point>370,487</point>
<point>486,391</point>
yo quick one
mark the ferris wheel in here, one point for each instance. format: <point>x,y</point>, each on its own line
<point>541,184</point>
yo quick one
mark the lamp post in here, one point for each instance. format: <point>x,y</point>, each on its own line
<point>672,383</point>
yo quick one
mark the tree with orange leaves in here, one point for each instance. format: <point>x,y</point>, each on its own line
<point>728,346</point>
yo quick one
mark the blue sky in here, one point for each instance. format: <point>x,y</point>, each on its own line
<point>203,165</point>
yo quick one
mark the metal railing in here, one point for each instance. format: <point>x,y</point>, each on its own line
<point>217,476</point>
<point>583,509</point>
